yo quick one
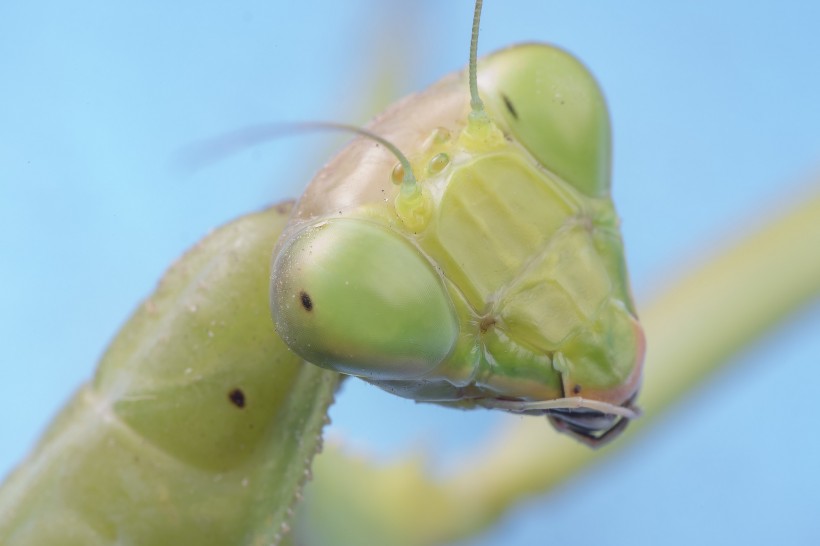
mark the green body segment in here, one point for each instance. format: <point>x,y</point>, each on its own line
<point>199,426</point>
<point>515,220</point>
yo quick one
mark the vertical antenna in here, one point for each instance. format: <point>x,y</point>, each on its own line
<point>475,101</point>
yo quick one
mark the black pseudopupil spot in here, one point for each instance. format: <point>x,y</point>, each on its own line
<point>307,303</point>
<point>508,103</point>
<point>237,398</point>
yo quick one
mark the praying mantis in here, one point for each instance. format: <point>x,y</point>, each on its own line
<point>631,219</point>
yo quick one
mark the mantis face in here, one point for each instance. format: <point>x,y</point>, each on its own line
<point>498,280</point>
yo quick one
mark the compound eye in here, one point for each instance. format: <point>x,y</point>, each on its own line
<point>358,298</point>
<point>551,104</point>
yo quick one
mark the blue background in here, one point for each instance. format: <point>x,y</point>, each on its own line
<point>716,123</point>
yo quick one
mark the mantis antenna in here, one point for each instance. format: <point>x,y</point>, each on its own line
<point>476,103</point>
<point>480,130</point>
<point>207,151</point>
